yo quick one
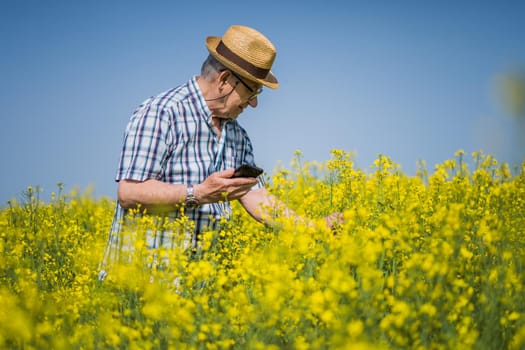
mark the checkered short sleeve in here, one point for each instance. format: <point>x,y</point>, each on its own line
<point>147,144</point>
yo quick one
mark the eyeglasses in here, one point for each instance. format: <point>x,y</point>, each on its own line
<point>254,93</point>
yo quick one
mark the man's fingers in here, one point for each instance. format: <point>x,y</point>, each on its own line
<point>228,173</point>
<point>238,192</point>
<point>243,182</point>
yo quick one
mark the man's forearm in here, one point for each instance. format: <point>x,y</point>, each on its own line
<point>150,194</point>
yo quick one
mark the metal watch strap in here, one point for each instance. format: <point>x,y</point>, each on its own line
<point>190,200</point>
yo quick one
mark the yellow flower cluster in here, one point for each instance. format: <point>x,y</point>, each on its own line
<point>432,261</point>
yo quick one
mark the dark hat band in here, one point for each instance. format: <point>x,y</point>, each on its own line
<point>225,52</point>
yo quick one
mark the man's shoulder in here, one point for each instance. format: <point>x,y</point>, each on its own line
<point>176,103</point>
<point>170,98</point>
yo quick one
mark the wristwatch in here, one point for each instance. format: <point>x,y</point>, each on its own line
<point>190,201</point>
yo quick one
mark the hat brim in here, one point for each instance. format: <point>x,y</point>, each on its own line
<point>212,42</point>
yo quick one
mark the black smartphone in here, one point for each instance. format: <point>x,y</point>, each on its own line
<point>247,170</point>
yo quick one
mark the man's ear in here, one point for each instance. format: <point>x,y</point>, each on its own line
<point>222,78</point>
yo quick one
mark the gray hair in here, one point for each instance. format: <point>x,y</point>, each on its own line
<point>211,67</point>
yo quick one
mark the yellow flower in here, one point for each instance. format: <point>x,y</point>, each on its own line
<point>355,328</point>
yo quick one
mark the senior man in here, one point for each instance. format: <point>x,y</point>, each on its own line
<point>182,146</point>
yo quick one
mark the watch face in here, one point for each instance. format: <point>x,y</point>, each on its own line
<point>191,202</point>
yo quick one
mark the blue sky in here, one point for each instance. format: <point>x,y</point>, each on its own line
<point>409,79</point>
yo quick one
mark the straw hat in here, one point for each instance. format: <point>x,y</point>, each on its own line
<point>247,52</point>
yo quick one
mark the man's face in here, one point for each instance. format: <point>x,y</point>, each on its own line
<point>244,93</point>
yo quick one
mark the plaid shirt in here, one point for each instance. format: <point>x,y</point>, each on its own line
<point>170,138</point>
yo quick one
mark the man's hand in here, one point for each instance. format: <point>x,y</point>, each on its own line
<point>220,186</point>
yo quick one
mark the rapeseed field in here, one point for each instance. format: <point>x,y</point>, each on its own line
<point>432,261</point>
